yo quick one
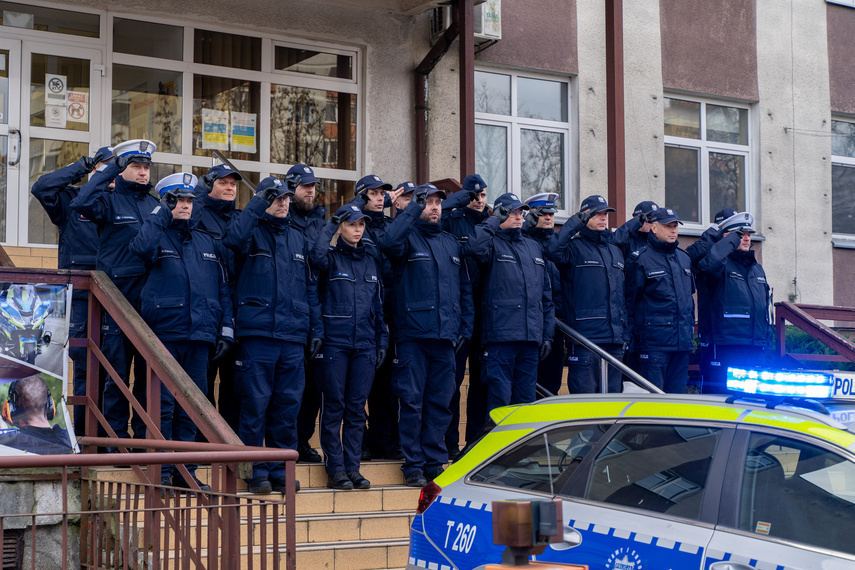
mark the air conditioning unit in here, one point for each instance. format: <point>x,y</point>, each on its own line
<point>488,21</point>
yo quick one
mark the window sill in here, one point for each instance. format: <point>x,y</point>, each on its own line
<point>843,242</point>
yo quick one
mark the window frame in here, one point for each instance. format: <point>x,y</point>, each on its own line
<point>705,147</point>
<point>840,239</point>
<point>515,124</point>
<point>731,494</point>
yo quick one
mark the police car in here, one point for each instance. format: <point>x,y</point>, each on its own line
<point>755,481</point>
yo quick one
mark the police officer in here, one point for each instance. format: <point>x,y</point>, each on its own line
<point>119,215</point>
<point>462,211</point>
<point>308,217</point>
<point>355,342</point>
<point>737,302</point>
<point>185,301</point>
<point>518,316</point>
<point>381,438</point>
<point>592,281</point>
<point>433,315</point>
<point>78,246</point>
<point>214,208</point>
<point>697,251</point>
<point>540,226</point>
<point>660,307</point>
<point>632,235</point>
<point>277,314</point>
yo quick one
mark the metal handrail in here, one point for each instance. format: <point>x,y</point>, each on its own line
<point>219,156</point>
<point>607,359</point>
<point>807,318</point>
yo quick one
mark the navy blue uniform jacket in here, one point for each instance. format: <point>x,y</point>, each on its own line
<point>592,281</point>
<point>516,293</point>
<point>432,292</point>
<point>542,236</point>
<point>119,215</point>
<point>738,296</point>
<point>214,216</point>
<point>659,300</point>
<point>276,295</point>
<point>186,296</point>
<point>351,293</point>
<point>78,237</point>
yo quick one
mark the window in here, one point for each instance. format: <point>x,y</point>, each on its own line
<point>707,158</point>
<point>263,103</point>
<point>522,134</point>
<point>797,491</point>
<point>543,463</point>
<point>662,469</point>
<point>843,177</point>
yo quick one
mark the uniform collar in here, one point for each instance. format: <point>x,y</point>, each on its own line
<point>225,207</point>
<point>474,216</point>
<point>540,234</point>
<point>595,235</point>
<point>510,234</point>
<point>660,245</point>
<point>139,191</point>
<point>745,258</point>
<point>276,224</point>
<point>357,252</point>
<point>428,228</point>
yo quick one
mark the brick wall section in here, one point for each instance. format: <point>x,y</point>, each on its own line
<point>35,257</point>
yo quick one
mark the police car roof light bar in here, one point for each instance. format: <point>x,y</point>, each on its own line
<point>780,384</point>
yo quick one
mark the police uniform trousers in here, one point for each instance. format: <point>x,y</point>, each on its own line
<point>175,423</point>
<point>716,358</point>
<point>382,434</point>
<point>120,353</point>
<point>668,370</point>
<point>309,407</point>
<point>509,370</point>
<point>224,400</point>
<point>423,380</point>
<point>550,370</point>
<point>77,328</point>
<point>583,369</point>
<point>476,399</point>
<point>343,377</point>
<point>269,380</point>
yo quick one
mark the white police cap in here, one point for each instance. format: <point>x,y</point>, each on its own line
<point>138,149</point>
<point>542,199</point>
<point>180,184</point>
<point>742,221</point>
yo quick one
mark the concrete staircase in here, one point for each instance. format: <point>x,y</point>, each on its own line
<point>336,530</point>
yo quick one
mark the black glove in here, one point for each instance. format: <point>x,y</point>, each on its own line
<point>269,195</point>
<point>642,218</point>
<point>207,181</point>
<point>364,197</point>
<point>387,201</point>
<point>458,343</point>
<point>501,213</point>
<point>533,217</point>
<point>545,349</point>
<point>170,200</point>
<point>381,357</point>
<point>585,216</point>
<point>315,346</point>
<point>420,198</point>
<point>122,162</point>
<point>222,348</point>
<point>101,157</point>
<point>335,220</point>
<point>87,163</point>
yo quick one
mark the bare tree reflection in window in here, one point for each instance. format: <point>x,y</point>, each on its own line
<point>843,139</point>
<point>491,158</point>
<point>727,182</point>
<point>542,168</point>
<point>313,126</point>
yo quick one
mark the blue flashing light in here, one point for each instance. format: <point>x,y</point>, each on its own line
<point>776,383</point>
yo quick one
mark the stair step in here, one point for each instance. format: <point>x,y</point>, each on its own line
<point>357,555</point>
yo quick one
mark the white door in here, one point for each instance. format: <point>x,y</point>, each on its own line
<point>51,119</point>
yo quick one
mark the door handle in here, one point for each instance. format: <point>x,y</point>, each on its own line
<point>572,539</point>
<point>14,147</point>
<point>731,566</point>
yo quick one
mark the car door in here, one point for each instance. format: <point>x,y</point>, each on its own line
<point>646,498</point>
<point>790,505</point>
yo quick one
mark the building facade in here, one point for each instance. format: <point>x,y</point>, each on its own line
<point>742,103</point>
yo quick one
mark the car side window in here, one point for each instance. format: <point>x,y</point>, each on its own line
<point>544,462</point>
<point>657,468</point>
<point>798,491</point>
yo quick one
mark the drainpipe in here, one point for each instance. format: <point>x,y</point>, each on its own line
<point>615,111</point>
